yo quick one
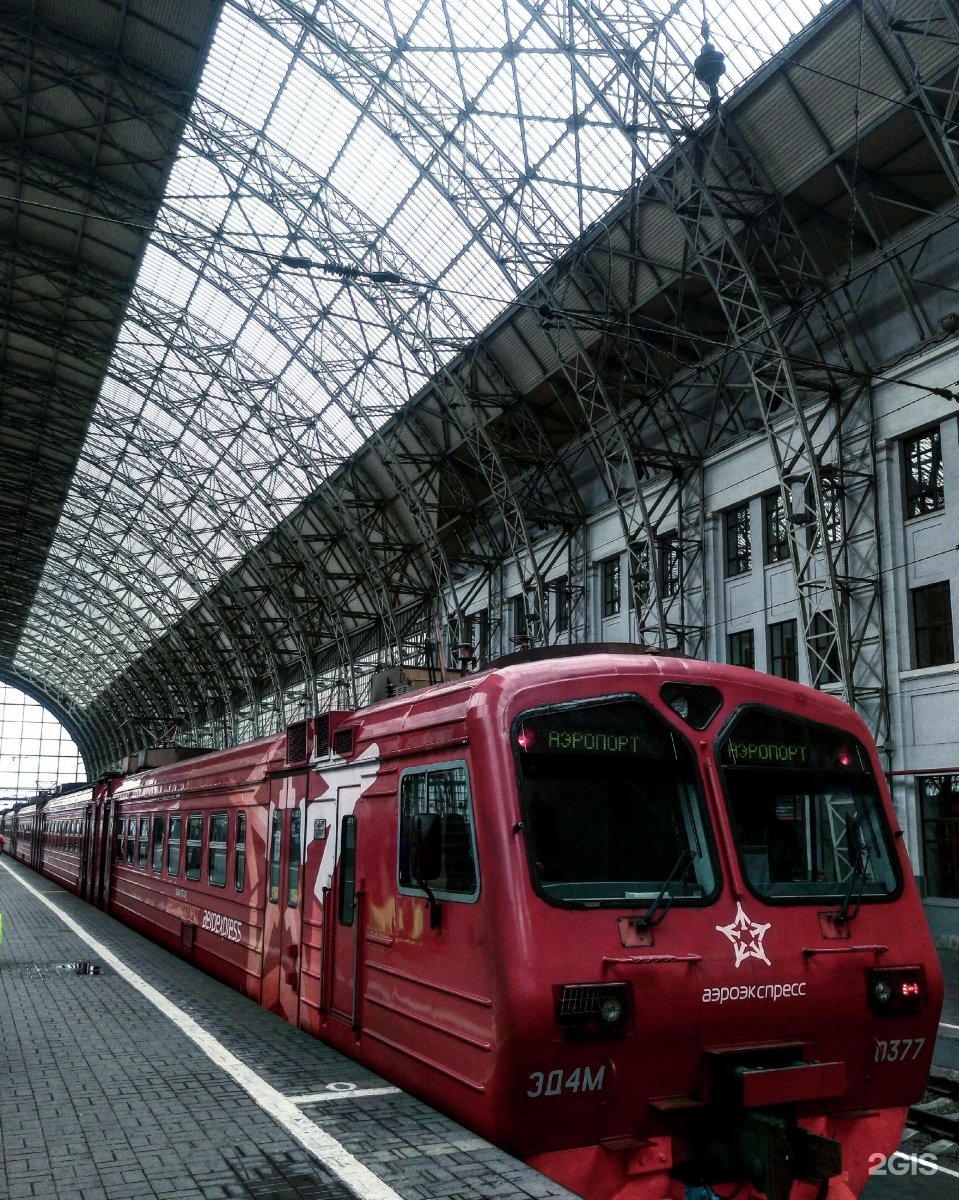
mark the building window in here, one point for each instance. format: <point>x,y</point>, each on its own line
<point>932,624</point>
<point>639,574</point>
<point>739,555</point>
<point>611,586</point>
<point>784,650</point>
<point>518,623</point>
<point>742,649</point>
<point>922,460</point>
<point>939,813</point>
<point>825,650</point>
<point>833,531</point>
<point>670,566</point>
<point>477,635</point>
<point>774,521</point>
<point>562,603</point>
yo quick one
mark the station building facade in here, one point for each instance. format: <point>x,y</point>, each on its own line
<point>749,602</point>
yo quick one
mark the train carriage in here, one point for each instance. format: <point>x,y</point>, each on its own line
<point>644,921</point>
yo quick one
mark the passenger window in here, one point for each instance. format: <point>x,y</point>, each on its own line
<point>157,855</point>
<point>443,790</point>
<point>194,845</point>
<point>293,865</point>
<point>276,843</point>
<point>174,834</point>
<point>239,863</point>
<point>219,827</point>
<point>131,839</point>
<point>143,842</point>
<point>121,830</point>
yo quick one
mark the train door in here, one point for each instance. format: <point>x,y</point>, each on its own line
<point>343,921</point>
<point>104,871</point>
<point>282,922</point>
<point>86,852</point>
<point>36,846</point>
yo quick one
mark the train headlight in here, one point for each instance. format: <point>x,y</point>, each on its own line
<point>895,991</point>
<point>612,1009</point>
<point>592,1009</point>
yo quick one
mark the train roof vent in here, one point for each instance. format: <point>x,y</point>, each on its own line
<point>297,742</point>
<point>321,740</point>
<point>343,741</point>
<point>323,735</point>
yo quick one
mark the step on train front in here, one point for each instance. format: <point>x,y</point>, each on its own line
<point>646,922</point>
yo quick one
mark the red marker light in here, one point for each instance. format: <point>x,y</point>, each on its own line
<point>910,989</point>
<point>845,757</point>
<point>526,739</point>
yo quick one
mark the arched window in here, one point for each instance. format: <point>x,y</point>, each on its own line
<point>36,752</point>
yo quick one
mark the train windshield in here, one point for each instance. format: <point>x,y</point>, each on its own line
<point>805,811</point>
<point>612,808</point>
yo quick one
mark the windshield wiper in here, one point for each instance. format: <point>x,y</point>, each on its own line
<point>860,863</point>
<point>682,865</point>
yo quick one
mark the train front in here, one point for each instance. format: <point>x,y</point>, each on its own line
<point>743,993</point>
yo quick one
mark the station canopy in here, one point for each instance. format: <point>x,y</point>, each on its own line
<point>241,241</point>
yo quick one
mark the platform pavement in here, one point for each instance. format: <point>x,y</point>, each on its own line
<point>102,1097</point>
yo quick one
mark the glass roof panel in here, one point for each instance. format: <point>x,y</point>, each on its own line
<point>462,145</point>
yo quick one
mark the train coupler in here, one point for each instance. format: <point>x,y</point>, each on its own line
<point>775,1152</point>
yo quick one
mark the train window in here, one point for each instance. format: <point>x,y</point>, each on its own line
<point>293,862</point>
<point>613,808</point>
<point>157,844</point>
<point>239,861</point>
<point>276,845</point>
<point>442,789</point>
<point>806,811</point>
<point>143,842</point>
<point>194,845</point>
<point>131,839</point>
<point>347,906</point>
<point>174,834</point>
<point>121,830</point>
<point>216,854</point>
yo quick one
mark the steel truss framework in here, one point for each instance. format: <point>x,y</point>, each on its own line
<point>316,451</point>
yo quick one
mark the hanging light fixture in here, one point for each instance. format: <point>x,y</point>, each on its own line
<point>709,68</point>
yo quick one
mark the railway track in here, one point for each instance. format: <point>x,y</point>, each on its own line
<point>937,1115</point>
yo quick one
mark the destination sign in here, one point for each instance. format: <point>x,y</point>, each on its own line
<point>780,754</point>
<point>616,729</point>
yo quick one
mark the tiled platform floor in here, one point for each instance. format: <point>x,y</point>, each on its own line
<point>105,1096</point>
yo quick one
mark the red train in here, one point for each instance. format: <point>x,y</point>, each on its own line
<point>644,921</point>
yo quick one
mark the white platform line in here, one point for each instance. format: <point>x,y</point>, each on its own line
<point>344,1094</point>
<point>335,1157</point>
<point>946,1025</point>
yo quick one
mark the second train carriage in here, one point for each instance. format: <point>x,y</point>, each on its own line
<point>645,921</point>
